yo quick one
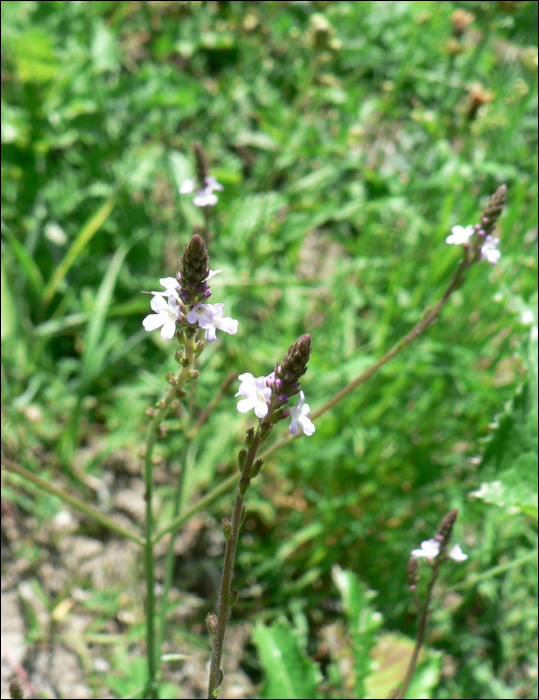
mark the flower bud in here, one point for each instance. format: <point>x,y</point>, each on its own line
<point>243,485</point>
<point>241,459</point>
<point>227,528</point>
<point>493,210</point>
<point>211,624</point>
<point>445,529</point>
<point>233,598</point>
<point>257,466</point>
<point>193,270</point>
<point>250,437</point>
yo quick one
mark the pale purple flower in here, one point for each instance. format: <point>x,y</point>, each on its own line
<point>204,197</point>
<point>165,317</point>
<point>210,318</point>
<point>300,415</point>
<point>256,393</point>
<point>460,235</point>
<point>489,250</point>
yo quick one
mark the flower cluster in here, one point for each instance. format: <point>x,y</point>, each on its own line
<point>183,301</point>
<point>431,549</point>
<point>204,196</point>
<point>269,395</point>
<point>479,238</point>
<point>488,250</point>
<point>207,185</point>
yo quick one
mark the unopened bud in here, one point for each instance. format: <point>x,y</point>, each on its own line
<point>257,466</point>
<point>15,690</point>
<point>446,526</point>
<point>250,437</point>
<point>227,528</point>
<point>150,412</point>
<point>211,624</point>
<point>233,598</point>
<point>241,459</point>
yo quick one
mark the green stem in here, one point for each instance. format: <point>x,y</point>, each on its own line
<point>423,620</point>
<point>223,604</point>
<point>184,376</point>
<point>169,562</point>
<point>72,500</point>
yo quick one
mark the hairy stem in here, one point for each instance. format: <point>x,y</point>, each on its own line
<point>223,603</point>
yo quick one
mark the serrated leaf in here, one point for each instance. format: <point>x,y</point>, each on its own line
<point>289,672</point>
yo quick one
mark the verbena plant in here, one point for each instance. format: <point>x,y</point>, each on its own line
<point>183,314</point>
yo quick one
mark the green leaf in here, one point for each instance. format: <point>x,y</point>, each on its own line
<point>90,228</point>
<point>363,621</point>
<point>510,459</point>
<point>34,57</point>
<point>391,656</point>
<point>9,312</point>
<point>289,672</point>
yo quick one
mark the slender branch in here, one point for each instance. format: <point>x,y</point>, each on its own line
<point>423,619</point>
<point>72,500</point>
<point>224,601</point>
<point>213,403</point>
<point>416,331</point>
<point>185,375</point>
<point>186,462</point>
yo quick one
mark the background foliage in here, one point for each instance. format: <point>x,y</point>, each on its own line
<point>347,155</point>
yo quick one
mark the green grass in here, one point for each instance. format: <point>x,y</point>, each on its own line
<point>344,170</point>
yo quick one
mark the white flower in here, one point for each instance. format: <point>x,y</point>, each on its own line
<point>171,286</point>
<point>166,315</point>
<point>429,549</point>
<point>210,318</point>
<point>457,554</point>
<point>204,197</point>
<point>187,186</point>
<point>300,414</point>
<point>489,250</point>
<point>256,393</point>
<point>460,235</point>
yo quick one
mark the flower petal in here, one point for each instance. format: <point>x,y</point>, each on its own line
<point>306,425</point>
<point>187,186</point>
<point>153,322</point>
<point>261,409</point>
<point>245,405</point>
<point>228,325</point>
<point>210,334</point>
<point>169,330</point>
<point>159,305</point>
